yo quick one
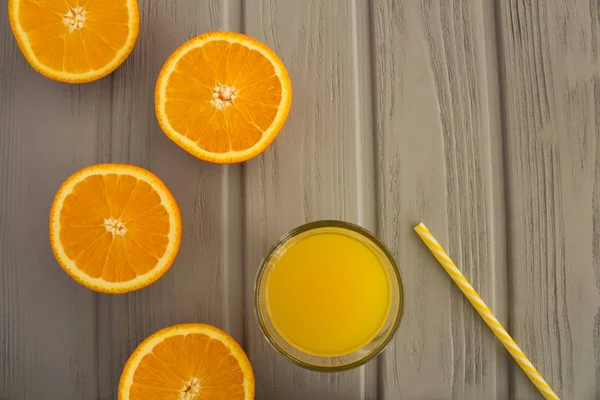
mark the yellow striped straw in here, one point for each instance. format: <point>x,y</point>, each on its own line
<point>485,312</point>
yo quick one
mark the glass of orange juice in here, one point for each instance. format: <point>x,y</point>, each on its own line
<point>329,296</point>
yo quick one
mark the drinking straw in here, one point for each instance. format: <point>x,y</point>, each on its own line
<point>485,312</point>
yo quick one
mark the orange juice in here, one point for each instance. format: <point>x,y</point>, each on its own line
<point>328,292</point>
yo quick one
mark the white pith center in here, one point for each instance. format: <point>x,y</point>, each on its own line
<point>115,227</point>
<point>74,19</point>
<point>223,96</point>
<point>191,389</point>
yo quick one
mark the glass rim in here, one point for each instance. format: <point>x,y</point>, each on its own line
<point>328,224</point>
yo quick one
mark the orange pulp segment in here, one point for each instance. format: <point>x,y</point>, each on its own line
<point>114,228</point>
<point>75,41</point>
<point>223,97</point>
<point>191,362</point>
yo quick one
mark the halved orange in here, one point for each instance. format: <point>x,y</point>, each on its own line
<point>114,228</point>
<point>188,362</point>
<point>75,41</point>
<point>223,97</point>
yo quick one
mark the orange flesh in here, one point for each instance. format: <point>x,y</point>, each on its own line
<point>177,361</point>
<point>90,48</point>
<point>241,124</point>
<point>95,250</point>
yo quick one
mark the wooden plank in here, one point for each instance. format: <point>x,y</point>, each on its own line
<point>320,166</point>
<point>439,161</point>
<point>551,68</point>
<point>205,282</point>
<point>48,130</point>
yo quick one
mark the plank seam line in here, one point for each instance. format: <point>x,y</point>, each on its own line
<point>360,213</point>
<point>501,59</point>
<point>357,120</point>
<point>378,199</point>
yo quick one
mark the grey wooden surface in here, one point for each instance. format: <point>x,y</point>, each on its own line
<point>480,118</point>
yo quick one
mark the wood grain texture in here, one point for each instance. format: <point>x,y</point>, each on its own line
<point>205,282</point>
<point>320,166</point>
<point>480,118</point>
<point>438,161</point>
<point>551,67</point>
<point>48,130</point>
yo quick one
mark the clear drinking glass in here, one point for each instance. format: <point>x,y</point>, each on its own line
<point>356,357</point>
